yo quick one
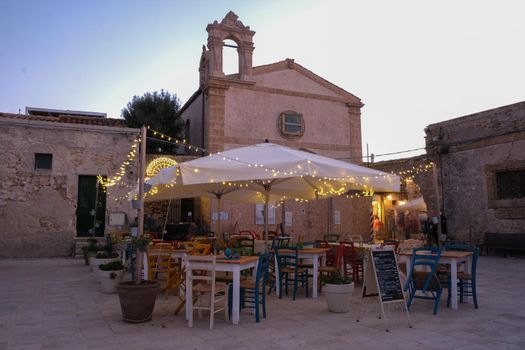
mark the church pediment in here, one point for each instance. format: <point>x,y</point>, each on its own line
<point>289,75</point>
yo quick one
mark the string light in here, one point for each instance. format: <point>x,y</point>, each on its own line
<point>116,179</point>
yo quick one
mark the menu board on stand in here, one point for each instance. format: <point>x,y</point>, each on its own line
<point>381,279</point>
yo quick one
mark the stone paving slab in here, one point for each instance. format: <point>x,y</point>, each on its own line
<point>56,304</point>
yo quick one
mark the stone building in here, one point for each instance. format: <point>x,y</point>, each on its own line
<point>50,164</point>
<point>285,103</point>
<point>480,162</point>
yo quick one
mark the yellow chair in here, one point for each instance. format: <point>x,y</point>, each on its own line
<point>161,267</point>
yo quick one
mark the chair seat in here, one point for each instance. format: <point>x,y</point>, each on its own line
<point>248,284</point>
<point>328,269</point>
<point>292,270</point>
<point>464,276</point>
<point>206,288</point>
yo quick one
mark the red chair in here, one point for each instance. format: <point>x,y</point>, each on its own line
<point>334,259</point>
<point>352,261</point>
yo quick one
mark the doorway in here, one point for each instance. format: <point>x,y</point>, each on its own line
<point>91,207</point>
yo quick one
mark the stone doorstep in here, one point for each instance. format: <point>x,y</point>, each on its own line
<point>82,242</point>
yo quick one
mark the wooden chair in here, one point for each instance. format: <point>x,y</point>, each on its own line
<point>334,260</point>
<point>290,271</point>
<point>466,279</point>
<point>424,284</point>
<point>253,292</point>
<point>352,261</point>
<point>205,284</point>
<point>201,249</point>
<point>161,267</point>
<point>244,245</point>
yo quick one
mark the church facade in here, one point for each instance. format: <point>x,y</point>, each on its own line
<point>284,103</point>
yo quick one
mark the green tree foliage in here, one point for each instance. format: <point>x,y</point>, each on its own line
<point>160,111</point>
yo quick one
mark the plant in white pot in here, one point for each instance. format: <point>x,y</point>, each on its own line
<point>102,257</point>
<point>109,275</point>
<point>338,291</point>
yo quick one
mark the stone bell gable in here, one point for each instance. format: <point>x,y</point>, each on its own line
<point>230,28</point>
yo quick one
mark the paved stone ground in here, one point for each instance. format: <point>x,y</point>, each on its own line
<point>56,304</point>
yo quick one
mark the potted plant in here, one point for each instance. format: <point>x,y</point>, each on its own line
<point>102,257</point>
<point>90,250</point>
<point>137,298</point>
<point>338,290</point>
<point>110,274</point>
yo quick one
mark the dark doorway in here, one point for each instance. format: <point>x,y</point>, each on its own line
<point>90,193</point>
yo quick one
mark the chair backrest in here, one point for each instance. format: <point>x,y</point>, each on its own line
<point>429,261</point>
<point>335,256</point>
<point>189,245</point>
<point>201,249</point>
<point>159,259</point>
<point>261,276</point>
<point>349,252</point>
<point>199,276</point>
<point>280,242</point>
<point>251,234</point>
<point>463,247</point>
<point>331,237</point>
<point>287,259</point>
<point>244,245</point>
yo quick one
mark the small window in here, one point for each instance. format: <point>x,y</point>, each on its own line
<point>510,184</point>
<point>43,161</point>
<point>291,124</point>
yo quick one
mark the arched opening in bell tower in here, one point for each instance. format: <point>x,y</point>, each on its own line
<point>230,57</point>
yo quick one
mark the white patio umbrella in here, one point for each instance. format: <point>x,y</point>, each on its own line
<point>276,172</point>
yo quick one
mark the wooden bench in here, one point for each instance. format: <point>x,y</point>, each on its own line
<point>504,241</point>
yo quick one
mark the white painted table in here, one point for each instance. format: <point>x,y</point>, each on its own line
<point>235,266</point>
<point>451,258</point>
<point>315,254</point>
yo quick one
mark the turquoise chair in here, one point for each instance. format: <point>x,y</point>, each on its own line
<point>466,279</point>
<point>290,272</point>
<point>422,281</point>
<point>253,292</point>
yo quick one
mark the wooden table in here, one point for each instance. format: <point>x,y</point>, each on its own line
<point>449,257</point>
<point>307,253</point>
<point>235,266</point>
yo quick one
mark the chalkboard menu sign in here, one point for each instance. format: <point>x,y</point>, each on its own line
<point>385,266</point>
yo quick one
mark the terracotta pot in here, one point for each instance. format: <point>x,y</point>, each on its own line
<point>137,300</point>
<point>338,296</point>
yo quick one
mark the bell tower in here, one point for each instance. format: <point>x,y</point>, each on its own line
<point>211,59</point>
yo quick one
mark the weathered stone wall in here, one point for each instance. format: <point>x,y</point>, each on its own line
<point>468,151</point>
<point>311,219</point>
<point>38,207</point>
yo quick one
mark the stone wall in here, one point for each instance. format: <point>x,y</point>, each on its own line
<point>468,152</point>
<point>38,207</point>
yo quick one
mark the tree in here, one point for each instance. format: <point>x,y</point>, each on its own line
<point>160,111</point>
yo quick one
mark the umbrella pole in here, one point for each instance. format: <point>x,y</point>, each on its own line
<point>266,200</point>
<point>218,215</point>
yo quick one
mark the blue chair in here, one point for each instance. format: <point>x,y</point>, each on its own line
<point>466,279</point>
<point>424,284</point>
<point>289,271</point>
<point>253,292</point>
